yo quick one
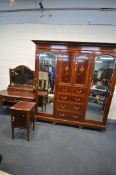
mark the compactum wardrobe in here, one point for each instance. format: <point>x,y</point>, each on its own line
<point>78,79</point>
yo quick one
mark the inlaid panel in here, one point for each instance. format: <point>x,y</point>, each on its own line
<point>81,68</point>
<point>66,67</point>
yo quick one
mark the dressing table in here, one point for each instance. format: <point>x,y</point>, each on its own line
<point>21,88</point>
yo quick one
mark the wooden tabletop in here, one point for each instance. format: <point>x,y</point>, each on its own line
<point>16,94</point>
<point>23,105</point>
<point>7,93</point>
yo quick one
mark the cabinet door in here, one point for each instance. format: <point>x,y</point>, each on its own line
<point>66,67</point>
<point>101,88</point>
<point>81,68</point>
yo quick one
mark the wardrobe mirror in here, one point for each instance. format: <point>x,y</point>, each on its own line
<point>100,87</point>
<point>47,75</point>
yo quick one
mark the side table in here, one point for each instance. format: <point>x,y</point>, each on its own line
<point>22,115</point>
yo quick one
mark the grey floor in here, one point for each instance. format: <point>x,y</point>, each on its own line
<point>57,150</point>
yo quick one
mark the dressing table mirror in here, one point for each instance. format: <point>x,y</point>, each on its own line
<point>21,75</point>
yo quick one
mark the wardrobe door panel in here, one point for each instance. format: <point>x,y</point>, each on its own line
<point>81,68</point>
<point>100,93</point>
<point>66,67</point>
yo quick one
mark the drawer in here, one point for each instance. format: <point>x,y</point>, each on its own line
<point>26,99</point>
<point>69,98</point>
<point>71,107</point>
<point>64,97</point>
<point>9,99</point>
<point>69,116</point>
<point>64,89</point>
<point>78,98</point>
<point>79,90</point>
<point>15,100</point>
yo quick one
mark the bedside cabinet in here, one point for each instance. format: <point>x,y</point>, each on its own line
<point>22,115</point>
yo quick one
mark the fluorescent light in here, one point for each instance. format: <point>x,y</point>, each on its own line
<point>107,58</point>
<point>99,61</point>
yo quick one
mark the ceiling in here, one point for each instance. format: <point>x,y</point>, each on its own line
<point>57,5</point>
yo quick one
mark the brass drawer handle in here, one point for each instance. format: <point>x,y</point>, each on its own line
<point>64,90</point>
<point>77,99</point>
<point>76,108</point>
<point>63,98</point>
<point>61,114</point>
<point>75,117</point>
<point>79,91</point>
<point>62,106</point>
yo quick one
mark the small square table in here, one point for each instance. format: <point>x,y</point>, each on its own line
<point>22,115</point>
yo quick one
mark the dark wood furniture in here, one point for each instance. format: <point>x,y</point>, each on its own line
<point>21,88</point>
<point>8,98</point>
<point>21,75</point>
<point>22,114</point>
<point>74,71</point>
<point>12,97</point>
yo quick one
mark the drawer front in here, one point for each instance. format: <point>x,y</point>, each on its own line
<point>69,98</point>
<point>78,98</point>
<point>15,100</point>
<point>69,116</point>
<point>9,99</point>
<point>64,98</point>
<point>71,107</point>
<point>25,99</point>
<point>64,89</point>
<point>79,90</point>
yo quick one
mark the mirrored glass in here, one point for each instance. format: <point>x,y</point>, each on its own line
<point>99,90</point>
<point>47,76</point>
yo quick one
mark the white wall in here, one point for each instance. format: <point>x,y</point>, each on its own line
<point>72,17</point>
<point>16,47</point>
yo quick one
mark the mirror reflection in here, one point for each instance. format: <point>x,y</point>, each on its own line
<point>99,90</point>
<point>47,75</point>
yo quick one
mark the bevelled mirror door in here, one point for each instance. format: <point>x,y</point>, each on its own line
<point>47,76</point>
<point>100,87</point>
